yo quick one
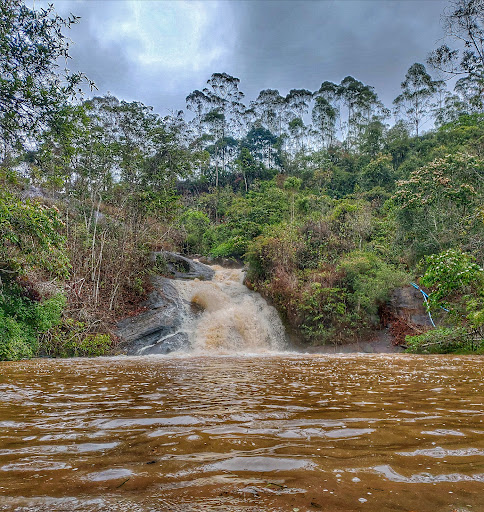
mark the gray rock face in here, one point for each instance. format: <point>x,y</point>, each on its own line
<point>175,342</point>
<point>157,330</point>
<point>407,302</point>
<point>180,267</point>
<point>162,318</point>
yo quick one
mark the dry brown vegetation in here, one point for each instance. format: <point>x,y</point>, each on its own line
<point>109,251</point>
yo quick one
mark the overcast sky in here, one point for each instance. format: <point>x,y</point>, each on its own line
<point>157,52</point>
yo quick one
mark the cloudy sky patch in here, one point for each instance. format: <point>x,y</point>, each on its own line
<point>158,51</point>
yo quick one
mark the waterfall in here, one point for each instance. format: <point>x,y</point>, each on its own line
<point>223,316</point>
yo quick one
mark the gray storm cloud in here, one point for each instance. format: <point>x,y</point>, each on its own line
<point>157,52</point>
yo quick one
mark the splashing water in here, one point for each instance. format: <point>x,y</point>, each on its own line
<point>233,319</point>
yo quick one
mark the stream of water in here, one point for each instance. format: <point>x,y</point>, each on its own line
<point>237,424</point>
<point>228,318</point>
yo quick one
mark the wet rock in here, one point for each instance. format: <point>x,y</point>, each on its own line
<point>173,343</point>
<point>155,330</point>
<point>180,267</point>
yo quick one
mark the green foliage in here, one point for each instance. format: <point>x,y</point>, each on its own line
<point>235,247</point>
<point>452,180</point>
<point>195,224</point>
<point>465,130</point>
<point>445,340</point>
<point>31,88</point>
<point>277,247</point>
<point>418,88</point>
<point>23,320</point>
<point>324,313</point>
<point>71,338</point>
<point>450,271</point>
<point>378,173</point>
<point>243,218</point>
<point>15,343</point>
<point>369,281</point>
<point>457,283</point>
<point>440,206</point>
<point>331,296</point>
<point>30,235</point>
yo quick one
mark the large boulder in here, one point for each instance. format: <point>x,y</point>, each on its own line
<point>161,319</point>
<point>180,267</point>
<point>407,303</point>
<point>158,329</point>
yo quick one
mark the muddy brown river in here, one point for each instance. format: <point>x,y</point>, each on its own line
<point>243,433</point>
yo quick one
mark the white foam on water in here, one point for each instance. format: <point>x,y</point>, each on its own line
<point>233,319</point>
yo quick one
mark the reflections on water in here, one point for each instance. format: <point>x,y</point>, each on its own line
<point>248,433</point>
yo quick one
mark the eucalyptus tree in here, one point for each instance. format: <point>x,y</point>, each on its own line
<point>297,131</point>
<point>248,166</point>
<point>297,103</point>
<point>198,103</point>
<point>215,121</point>
<point>269,108</point>
<point>330,92</point>
<point>263,146</point>
<point>326,111</point>
<point>225,115</point>
<point>415,100</point>
<point>324,117</point>
<point>362,105</point>
<point>224,95</point>
<point>464,23</point>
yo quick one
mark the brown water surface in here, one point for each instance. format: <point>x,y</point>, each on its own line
<point>243,433</point>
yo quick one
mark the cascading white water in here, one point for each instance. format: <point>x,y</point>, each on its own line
<point>233,319</point>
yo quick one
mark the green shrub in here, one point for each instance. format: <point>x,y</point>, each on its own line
<point>457,283</point>
<point>450,271</point>
<point>31,235</point>
<point>235,246</point>
<point>72,339</point>
<point>23,320</point>
<point>195,223</point>
<point>15,343</point>
<point>323,313</point>
<point>369,281</point>
<point>445,340</point>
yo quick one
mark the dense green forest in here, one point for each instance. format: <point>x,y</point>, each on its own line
<point>331,198</point>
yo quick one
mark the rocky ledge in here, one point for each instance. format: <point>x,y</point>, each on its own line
<point>180,267</point>
<point>158,329</point>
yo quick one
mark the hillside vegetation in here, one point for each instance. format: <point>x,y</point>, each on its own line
<point>329,203</point>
